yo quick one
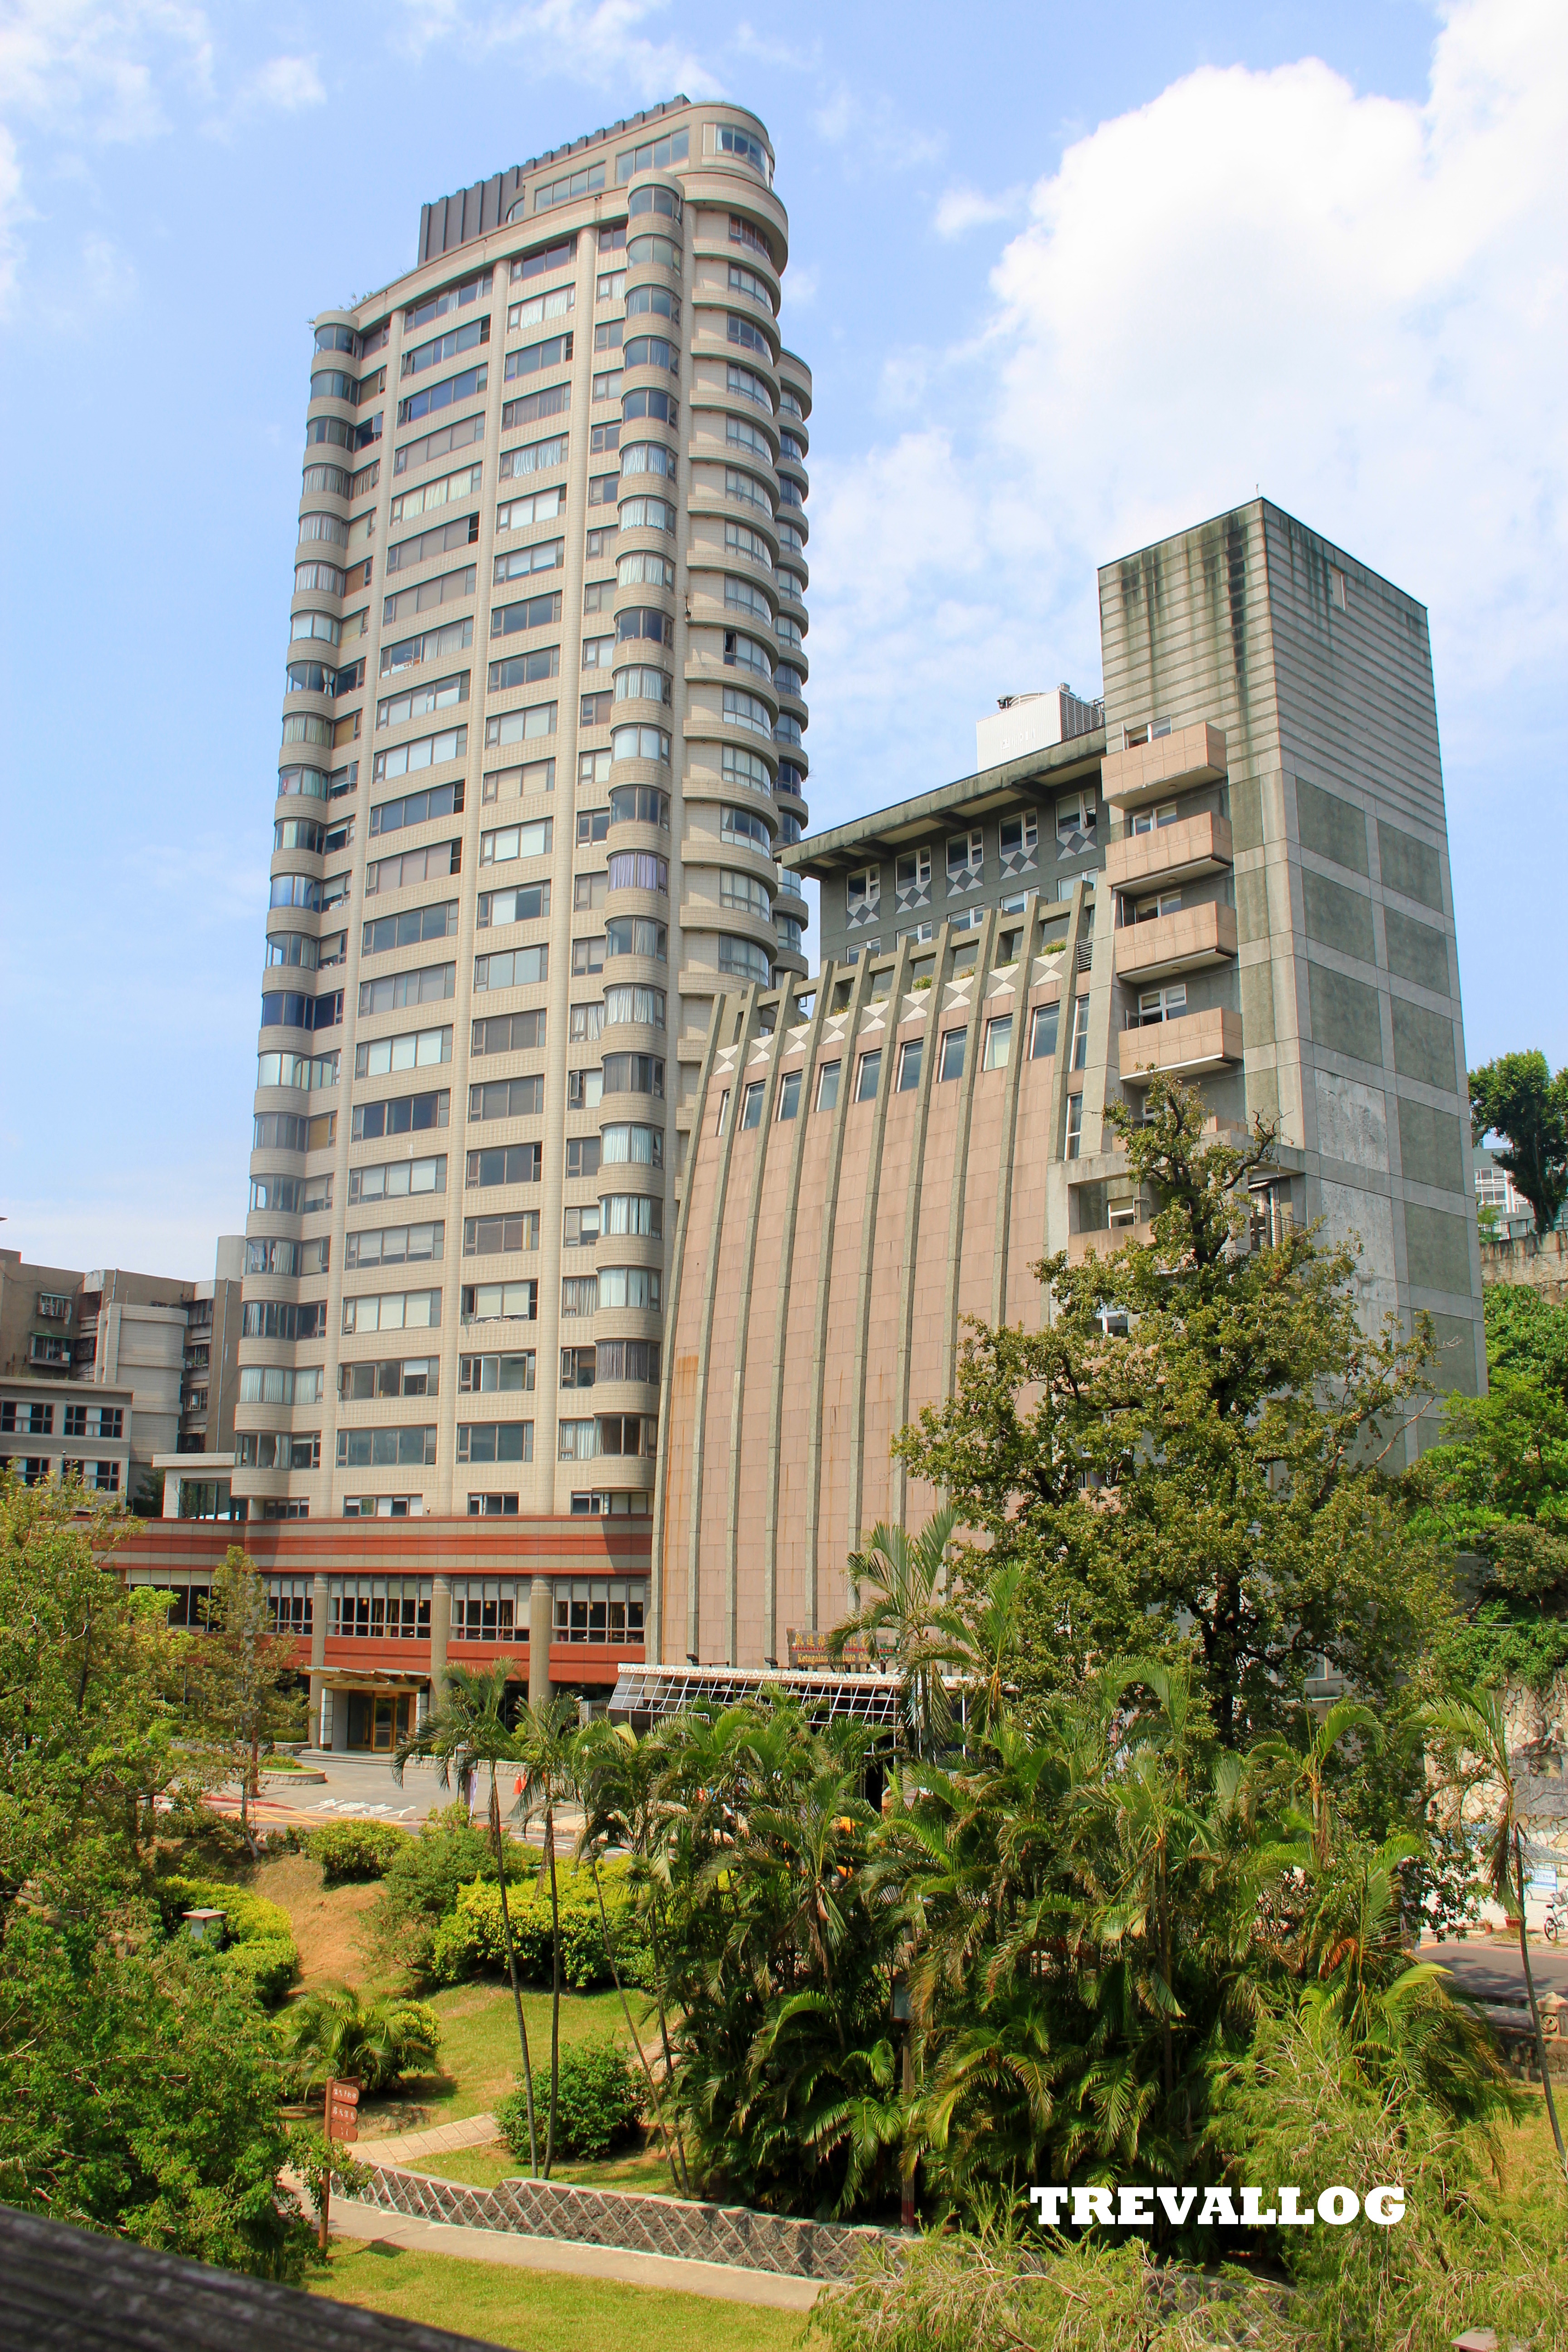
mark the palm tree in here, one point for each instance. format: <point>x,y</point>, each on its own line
<point>615,1782</point>
<point>1474,1723</point>
<point>907,1598</point>
<point>336,2032</point>
<point>469,1729</point>
<point>544,1747</point>
<point>1308,1767</point>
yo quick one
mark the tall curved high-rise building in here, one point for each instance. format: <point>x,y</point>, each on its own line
<point>542,738</point>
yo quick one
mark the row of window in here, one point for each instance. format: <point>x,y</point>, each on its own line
<point>951,1054</point>
<point>38,1469</point>
<point>30,1418</point>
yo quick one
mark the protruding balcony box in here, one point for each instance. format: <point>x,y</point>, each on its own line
<point>1188,940</point>
<point>1177,762</point>
<point>1192,1043</point>
<point>1107,1242</point>
<point>1182,852</point>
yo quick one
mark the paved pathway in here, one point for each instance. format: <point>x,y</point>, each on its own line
<point>718,2281</point>
<point>403,2147</point>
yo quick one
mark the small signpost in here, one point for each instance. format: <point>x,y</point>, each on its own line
<point>342,2125</point>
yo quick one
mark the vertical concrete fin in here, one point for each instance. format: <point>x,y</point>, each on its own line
<point>983,968</point>
<point>764,1130</point>
<point>781,1317</point>
<point>869,1253</point>
<point>1021,992</point>
<point>858,995</point>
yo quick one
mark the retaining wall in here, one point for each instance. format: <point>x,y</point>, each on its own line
<point>684,2228</point>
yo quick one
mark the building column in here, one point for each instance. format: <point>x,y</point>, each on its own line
<point>440,1633</point>
<point>171,1494</point>
<point>318,1655</point>
<point>540,1616</point>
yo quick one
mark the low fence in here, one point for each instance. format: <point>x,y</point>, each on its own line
<point>682,2227</point>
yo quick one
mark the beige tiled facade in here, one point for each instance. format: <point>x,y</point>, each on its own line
<point>1242,877</point>
<point>542,743</point>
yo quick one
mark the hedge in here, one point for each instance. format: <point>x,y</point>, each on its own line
<point>259,1951</point>
<point>600,2101</point>
<point>356,1851</point>
<point>468,1941</point>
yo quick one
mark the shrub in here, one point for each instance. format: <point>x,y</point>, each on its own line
<point>352,1851</point>
<point>267,1967</point>
<point>600,2101</point>
<point>260,1954</point>
<point>371,2042</point>
<point>422,1882</point>
<point>468,1941</point>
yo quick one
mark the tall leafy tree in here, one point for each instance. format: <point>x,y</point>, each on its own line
<point>1495,1491</point>
<point>241,1666</point>
<point>1517,1097</point>
<point>1196,1447</point>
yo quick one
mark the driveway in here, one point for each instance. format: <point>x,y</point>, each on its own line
<point>360,1788</point>
<point>1490,1970</point>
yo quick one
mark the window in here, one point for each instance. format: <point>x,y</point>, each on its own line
<point>552,351</point>
<point>582,1153</point>
<point>1079,1032</point>
<point>630,1286</point>
<point>1043,1033</point>
<point>999,1040</point>
<point>1076,816</point>
<point>495,1441</point>
<point>516,967</point>
<point>953,1048</point>
<point>283,1009</point>
<point>1018,837</point>
<point>752,1104</point>
<point>1156,1004</point>
<point>404,1115</point>
<point>1338,590</point>
<point>393,1244</point>
<point>264,1450</point>
<point>745,960</point>
<point>505,1163</point>
<point>394,1310</point>
<point>34,1419</point>
<point>410,930</point>
<point>585,1089</point>
<point>442,491</point>
<point>489,1237</point>
<point>745,892</point>
<point>1149,910</point>
<point>580,1228</point>
<point>433,446</point>
<point>529,613</point>
<point>420,987</point>
<point>416,808</point>
<point>655,155</point>
<point>273,1384</point>
<point>392,1376</point>
<point>579,1295</point>
<point>1147,820</point>
<point>639,805</point>
<point>363,1449</point>
<point>508,1033</point>
<point>398,1180</point>
<point>441,590</point>
<point>640,1146</point>
<point>538,307</point>
<point>530,408</point>
<point>869,1076</point>
<point>497,1375</point>
<point>545,258</point>
<point>965,861</point>
<point>911,1053</point>
<point>521,726</point>
<point>633,1074</point>
<point>634,935</point>
<point>275,1318</point>
<point>587,892</point>
<point>433,644</point>
<point>507,842</point>
<point>305,1071</point>
<point>1074,1126</point>
<point>507,1099</point>
<point>499,1302</point>
<point>448,299</point>
<point>425,752</point>
<point>414,1049</point>
<point>644,514</point>
<point>789,1095</point>
<point>578,1368</point>
<point>571,185</point>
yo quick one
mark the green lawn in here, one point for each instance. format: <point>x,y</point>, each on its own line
<point>542,2311</point>
<point>479,2054</point>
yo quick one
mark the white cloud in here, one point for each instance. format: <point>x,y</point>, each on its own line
<point>601,44</point>
<point>1358,304</point>
<point>869,129</point>
<point>285,84</point>
<point>963,208</point>
<point>108,275</point>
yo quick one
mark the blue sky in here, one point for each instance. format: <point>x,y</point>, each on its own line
<point>1067,279</point>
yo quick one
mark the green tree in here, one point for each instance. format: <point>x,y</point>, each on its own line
<point>337,2033</point>
<point>1527,1334</point>
<point>1472,1726</point>
<point>1517,1097</point>
<point>1496,1490</point>
<point>1196,1447</point>
<point>240,1665</point>
<point>902,1582</point>
<point>464,1733</point>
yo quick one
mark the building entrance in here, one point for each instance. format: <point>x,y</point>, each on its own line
<point>379,1720</point>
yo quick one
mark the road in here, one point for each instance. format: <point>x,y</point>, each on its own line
<point>360,1788</point>
<point>1490,1970</point>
